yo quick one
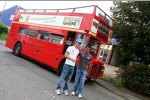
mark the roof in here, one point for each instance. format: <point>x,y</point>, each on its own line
<point>13,7</point>
<point>6,14</point>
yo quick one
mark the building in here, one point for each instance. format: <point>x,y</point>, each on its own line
<point>6,15</point>
<point>109,53</point>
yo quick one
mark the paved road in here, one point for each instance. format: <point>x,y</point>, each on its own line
<point>23,79</point>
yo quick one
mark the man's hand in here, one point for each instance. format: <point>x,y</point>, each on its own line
<point>74,60</point>
<point>67,56</point>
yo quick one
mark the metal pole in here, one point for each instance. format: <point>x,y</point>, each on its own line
<point>3,10</point>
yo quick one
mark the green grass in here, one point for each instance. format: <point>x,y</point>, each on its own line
<point>3,36</point>
<point>115,81</point>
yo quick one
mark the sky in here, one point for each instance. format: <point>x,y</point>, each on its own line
<point>104,5</point>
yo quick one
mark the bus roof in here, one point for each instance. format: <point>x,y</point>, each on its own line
<point>80,19</point>
<point>91,9</point>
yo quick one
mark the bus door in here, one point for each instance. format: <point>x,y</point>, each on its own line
<point>69,41</point>
<point>30,44</point>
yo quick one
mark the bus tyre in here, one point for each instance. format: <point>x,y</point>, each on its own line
<point>17,49</point>
<point>89,79</point>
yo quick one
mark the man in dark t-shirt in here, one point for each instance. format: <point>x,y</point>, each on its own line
<point>85,58</point>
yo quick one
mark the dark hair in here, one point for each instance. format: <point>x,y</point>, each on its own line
<point>88,46</point>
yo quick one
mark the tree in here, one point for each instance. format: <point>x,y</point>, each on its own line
<point>132,30</point>
<point>3,29</point>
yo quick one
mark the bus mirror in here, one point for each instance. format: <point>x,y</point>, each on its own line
<point>87,31</point>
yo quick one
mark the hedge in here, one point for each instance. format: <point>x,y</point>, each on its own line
<point>3,29</point>
<point>137,78</point>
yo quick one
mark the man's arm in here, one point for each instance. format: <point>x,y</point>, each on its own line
<point>67,56</point>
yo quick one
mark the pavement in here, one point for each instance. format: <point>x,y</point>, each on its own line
<point>110,71</point>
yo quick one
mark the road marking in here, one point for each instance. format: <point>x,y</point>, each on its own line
<point>50,95</point>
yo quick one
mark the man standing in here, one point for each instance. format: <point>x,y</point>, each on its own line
<point>68,68</point>
<point>85,58</point>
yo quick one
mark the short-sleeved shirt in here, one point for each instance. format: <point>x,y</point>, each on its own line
<point>84,60</point>
<point>73,53</point>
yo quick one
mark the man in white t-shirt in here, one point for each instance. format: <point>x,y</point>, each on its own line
<point>68,68</point>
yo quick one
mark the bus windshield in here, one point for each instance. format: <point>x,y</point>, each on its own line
<point>93,44</point>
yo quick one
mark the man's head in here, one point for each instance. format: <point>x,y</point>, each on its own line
<point>78,43</point>
<point>88,49</point>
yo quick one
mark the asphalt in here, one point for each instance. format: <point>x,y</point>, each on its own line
<point>110,71</point>
<point>2,42</point>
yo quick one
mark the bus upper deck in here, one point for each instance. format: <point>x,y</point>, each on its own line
<point>88,19</point>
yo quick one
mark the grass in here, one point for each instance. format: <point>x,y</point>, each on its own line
<point>115,81</point>
<point>3,36</point>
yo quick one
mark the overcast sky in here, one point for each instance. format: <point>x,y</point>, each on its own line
<point>104,5</point>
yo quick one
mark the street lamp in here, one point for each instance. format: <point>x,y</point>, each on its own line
<point>3,11</point>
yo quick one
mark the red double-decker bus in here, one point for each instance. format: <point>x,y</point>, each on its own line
<point>44,35</point>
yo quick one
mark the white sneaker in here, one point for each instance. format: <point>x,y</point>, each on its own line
<point>73,93</point>
<point>79,96</point>
<point>57,91</point>
<point>66,93</point>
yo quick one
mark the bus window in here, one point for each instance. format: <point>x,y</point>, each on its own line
<point>43,35</point>
<point>23,31</point>
<point>83,38</point>
<point>56,38</point>
<point>32,33</point>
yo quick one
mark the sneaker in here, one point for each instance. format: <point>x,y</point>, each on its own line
<point>57,91</point>
<point>73,93</point>
<point>79,96</point>
<point>66,93</point>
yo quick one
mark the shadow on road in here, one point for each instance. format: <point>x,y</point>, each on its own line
<point>43,66</point>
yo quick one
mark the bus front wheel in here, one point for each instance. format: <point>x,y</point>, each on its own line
<point>17,49</point>
<point>89,79</point>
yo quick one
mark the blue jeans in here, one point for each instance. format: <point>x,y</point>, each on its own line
<point>66,75</point>
<point>79,81</point>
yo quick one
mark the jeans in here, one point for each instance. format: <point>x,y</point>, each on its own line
<point>79,81</point>
<point>66,75</point>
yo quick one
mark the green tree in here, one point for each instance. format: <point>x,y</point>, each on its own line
<point>3,29</point>
<point>132,30</point>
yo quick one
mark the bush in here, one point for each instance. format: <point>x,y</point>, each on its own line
<point>137,78</point>
<point>3,36</point>
<point>3,29</point>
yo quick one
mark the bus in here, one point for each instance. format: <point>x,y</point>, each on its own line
<point>44,35</point>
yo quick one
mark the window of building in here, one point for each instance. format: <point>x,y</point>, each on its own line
<point>23,31</point>
<point>56,38</point>
<point>43,35</point>
<point>32,33</point>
